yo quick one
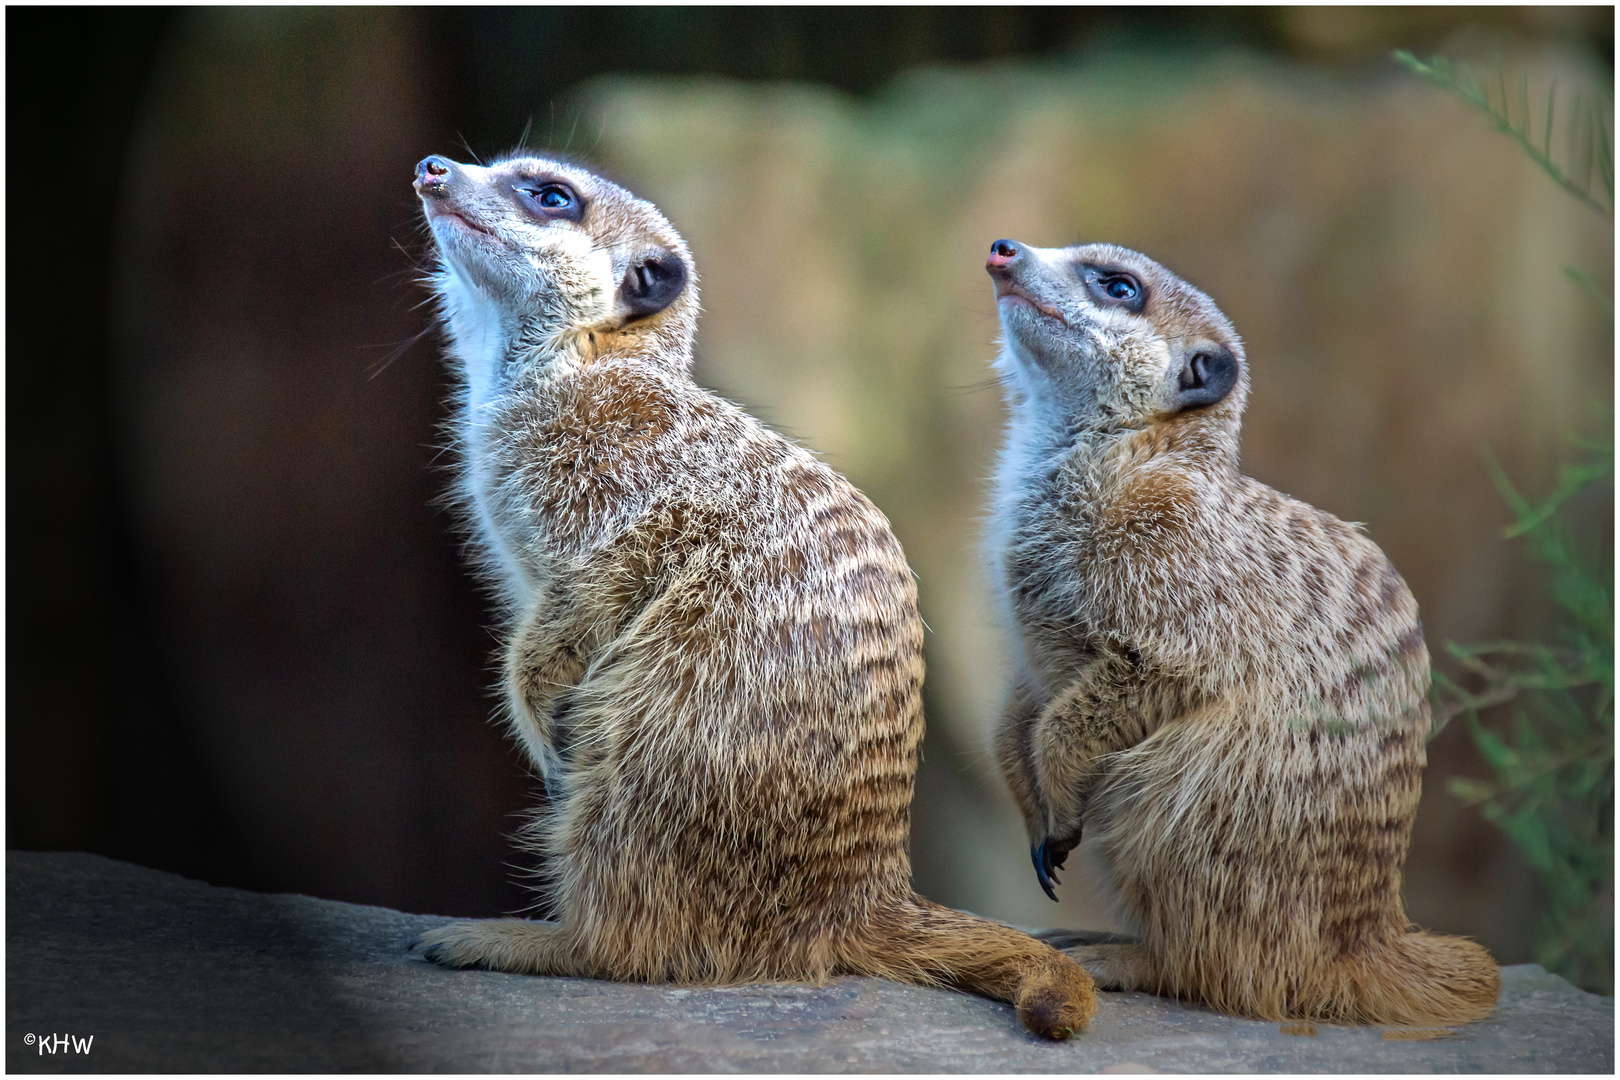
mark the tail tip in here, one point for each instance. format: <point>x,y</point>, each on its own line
<point>1059,1007</point>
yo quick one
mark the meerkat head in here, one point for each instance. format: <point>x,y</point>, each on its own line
<point>1107,338</point>
<point>542,261</point>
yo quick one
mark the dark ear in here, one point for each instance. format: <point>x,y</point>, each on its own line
<point>1208,374</point>
<point>651,284</point>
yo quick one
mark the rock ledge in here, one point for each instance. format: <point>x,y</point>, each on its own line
<point>171,975</point>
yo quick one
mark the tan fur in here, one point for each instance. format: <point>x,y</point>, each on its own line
<point>1222,688</point>
<point>715,657</point>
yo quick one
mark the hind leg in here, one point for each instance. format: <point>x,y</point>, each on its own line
<point>1118,967</point>
<point>515,945</point>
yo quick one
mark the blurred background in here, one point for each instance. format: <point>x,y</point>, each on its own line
<point>242,643</point>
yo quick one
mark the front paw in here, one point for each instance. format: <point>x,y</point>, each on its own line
<point>454,945</point>
<point>1049,854</point>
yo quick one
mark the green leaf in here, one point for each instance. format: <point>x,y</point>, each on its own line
<point>1590,286</point>
<point>1470,791</point>
<point>1530,834</point>
<point>1499,754</point>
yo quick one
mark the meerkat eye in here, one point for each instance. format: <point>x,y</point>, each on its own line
<point>1111,285</point>
<point>554,200</point>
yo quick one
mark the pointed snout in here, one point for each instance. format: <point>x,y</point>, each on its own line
<point>1019,274</point>
<point>1008,262</point>
<point>1003,253</point>
<point>433,175</point>
<point>1009,266</point>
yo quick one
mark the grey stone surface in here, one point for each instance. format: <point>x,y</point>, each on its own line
<point>173,975</point>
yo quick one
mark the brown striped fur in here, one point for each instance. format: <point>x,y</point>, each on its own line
<point>715,658</point>
<point>1221,688</point>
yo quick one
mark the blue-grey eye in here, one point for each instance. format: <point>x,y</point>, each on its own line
<point>1120,288</point>
<point>551,200</point>
<point>1113,285</point>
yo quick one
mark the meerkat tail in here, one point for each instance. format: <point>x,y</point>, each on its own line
<point>1417,978</point>
<point>518,946</point>
<point>922,942</point>
<point>1413,978</point>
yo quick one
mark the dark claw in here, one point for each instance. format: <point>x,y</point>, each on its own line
<point>1062,858</point>
<point>1041,855</point>
<point>433,954</point>
<point>438,954</point>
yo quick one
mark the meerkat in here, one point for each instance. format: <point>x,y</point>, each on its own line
<point>714,657</point>
<point>1223,688</point>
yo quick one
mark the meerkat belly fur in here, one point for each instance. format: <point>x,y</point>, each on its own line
<point>1221,688</point>
<point>714,655</point>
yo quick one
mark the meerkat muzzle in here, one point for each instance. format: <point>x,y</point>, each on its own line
<point>433,176</point>
<point>1002,253</point>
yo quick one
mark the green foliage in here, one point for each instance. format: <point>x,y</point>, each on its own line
<point>1591,288</point>
<point>1553,786</point>
<point>1587,146</point>
<point>1552,790</point>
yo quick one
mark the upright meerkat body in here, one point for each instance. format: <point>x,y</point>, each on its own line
<point>715,658</point>
<point>1223,686</point>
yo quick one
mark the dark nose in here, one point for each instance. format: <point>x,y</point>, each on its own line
<point>432,173</point>
<point>1002,253</point>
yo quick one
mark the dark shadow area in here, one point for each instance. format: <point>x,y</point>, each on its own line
<point>101,755</point>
